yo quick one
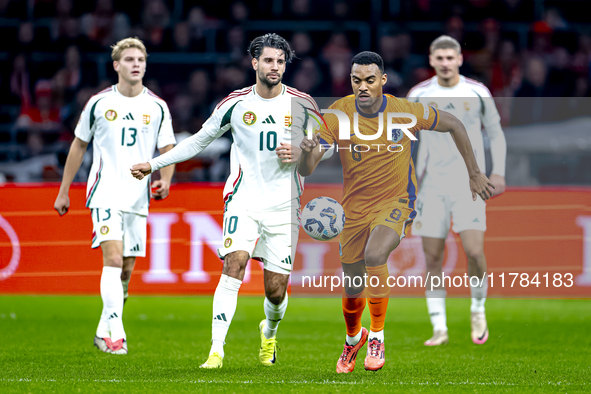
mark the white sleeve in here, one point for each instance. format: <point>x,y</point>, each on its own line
<point>498,148</point>
<point>165,132</point>
<point>491,120</point>
<point>489,114</point>
<point>212,129</point>
<point>85,127</point>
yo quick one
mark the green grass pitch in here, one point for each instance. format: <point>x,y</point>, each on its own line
<point>535,346</point>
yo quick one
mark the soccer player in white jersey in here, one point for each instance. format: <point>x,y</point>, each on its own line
<point>262,193</point>
<point>444,195</point>
<point>127,122</point>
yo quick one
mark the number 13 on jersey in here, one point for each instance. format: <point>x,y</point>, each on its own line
<point>132,133</point>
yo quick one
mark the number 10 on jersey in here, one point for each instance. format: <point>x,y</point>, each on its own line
<point>271,140</point>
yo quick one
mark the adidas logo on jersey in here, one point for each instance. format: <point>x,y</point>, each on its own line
<point>450,106</point>
<point>129,116</point>
<point>136,248</point>
<point>220,317</point>
<point>269,120</point>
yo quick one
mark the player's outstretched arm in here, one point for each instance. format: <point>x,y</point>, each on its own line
<point>479,183</point>
<point>73,162</point>
<point>311,155</point>
<point>188,148</point>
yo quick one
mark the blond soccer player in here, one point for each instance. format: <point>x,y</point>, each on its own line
<point>126,122</point>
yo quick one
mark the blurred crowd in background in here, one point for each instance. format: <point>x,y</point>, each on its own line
<point>56,54</point>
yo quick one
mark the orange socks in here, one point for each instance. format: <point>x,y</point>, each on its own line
<point>353,306</point>
<point>378,296</point>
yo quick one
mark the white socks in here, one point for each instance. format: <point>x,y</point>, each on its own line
<point>478,296</point>
<point>379,335</point>
<point>102,331</point>
<point>352,341</point>
<point>224,307</point>
<point>274,315</point>
<point>112,295</point>
<point>436,308</point>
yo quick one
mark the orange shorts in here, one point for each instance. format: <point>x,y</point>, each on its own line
<point>397,216</point>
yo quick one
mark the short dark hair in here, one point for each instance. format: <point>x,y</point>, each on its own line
<point>270,40</point>
<point>367,58</point>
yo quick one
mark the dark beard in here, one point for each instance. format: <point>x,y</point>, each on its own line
<point>268,83</point>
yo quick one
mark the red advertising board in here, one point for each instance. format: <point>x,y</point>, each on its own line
<point>538,244</point>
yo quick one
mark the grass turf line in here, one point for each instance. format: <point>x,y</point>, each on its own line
<point>534,346</point>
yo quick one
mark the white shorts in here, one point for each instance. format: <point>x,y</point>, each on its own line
<point>271,237</point>
<point>435,212</point>
<point>113,225</point>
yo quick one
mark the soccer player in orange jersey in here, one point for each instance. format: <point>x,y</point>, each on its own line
<point>379,191</point>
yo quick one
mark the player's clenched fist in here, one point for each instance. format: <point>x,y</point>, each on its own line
<point>62,204</point>
<point>139,171</point>
<point>308,144</point>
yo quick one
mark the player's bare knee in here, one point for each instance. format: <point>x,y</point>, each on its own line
<point>474,255</point>
<point>276,296</point>
<point>433,264</point>
<point>433,261</point>
<point>113,260</point>
<point>235,264</point>
<point>354,282</point>
<point>375,257</point>
<point>275,286</point>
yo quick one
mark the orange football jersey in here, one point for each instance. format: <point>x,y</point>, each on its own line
<point>380,171</point>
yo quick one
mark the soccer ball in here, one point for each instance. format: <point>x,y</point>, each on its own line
<point>323,218</point>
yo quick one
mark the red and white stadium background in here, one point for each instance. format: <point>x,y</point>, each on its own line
<point>530,230</point>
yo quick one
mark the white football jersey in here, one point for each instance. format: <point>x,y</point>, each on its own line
<point>259,180</point>
<point>440,165</point>
<point>126,131</point>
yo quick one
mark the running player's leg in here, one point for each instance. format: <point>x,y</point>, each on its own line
<point>128,265</point>
<point>134,245</point>
<point>473,243</point>
<point>275,305</point>
<point>276,248</point>
<point>112,295</point>
<point>108,235</point>
<point>240,235</point>
<point>382,241</point>
<point>388,228</point>
<point>432,224</point>
<point>225,300</point>
<point>470,222</point>
<point>434,250</point>
<point>353,304</point>
<point>353,240</point>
